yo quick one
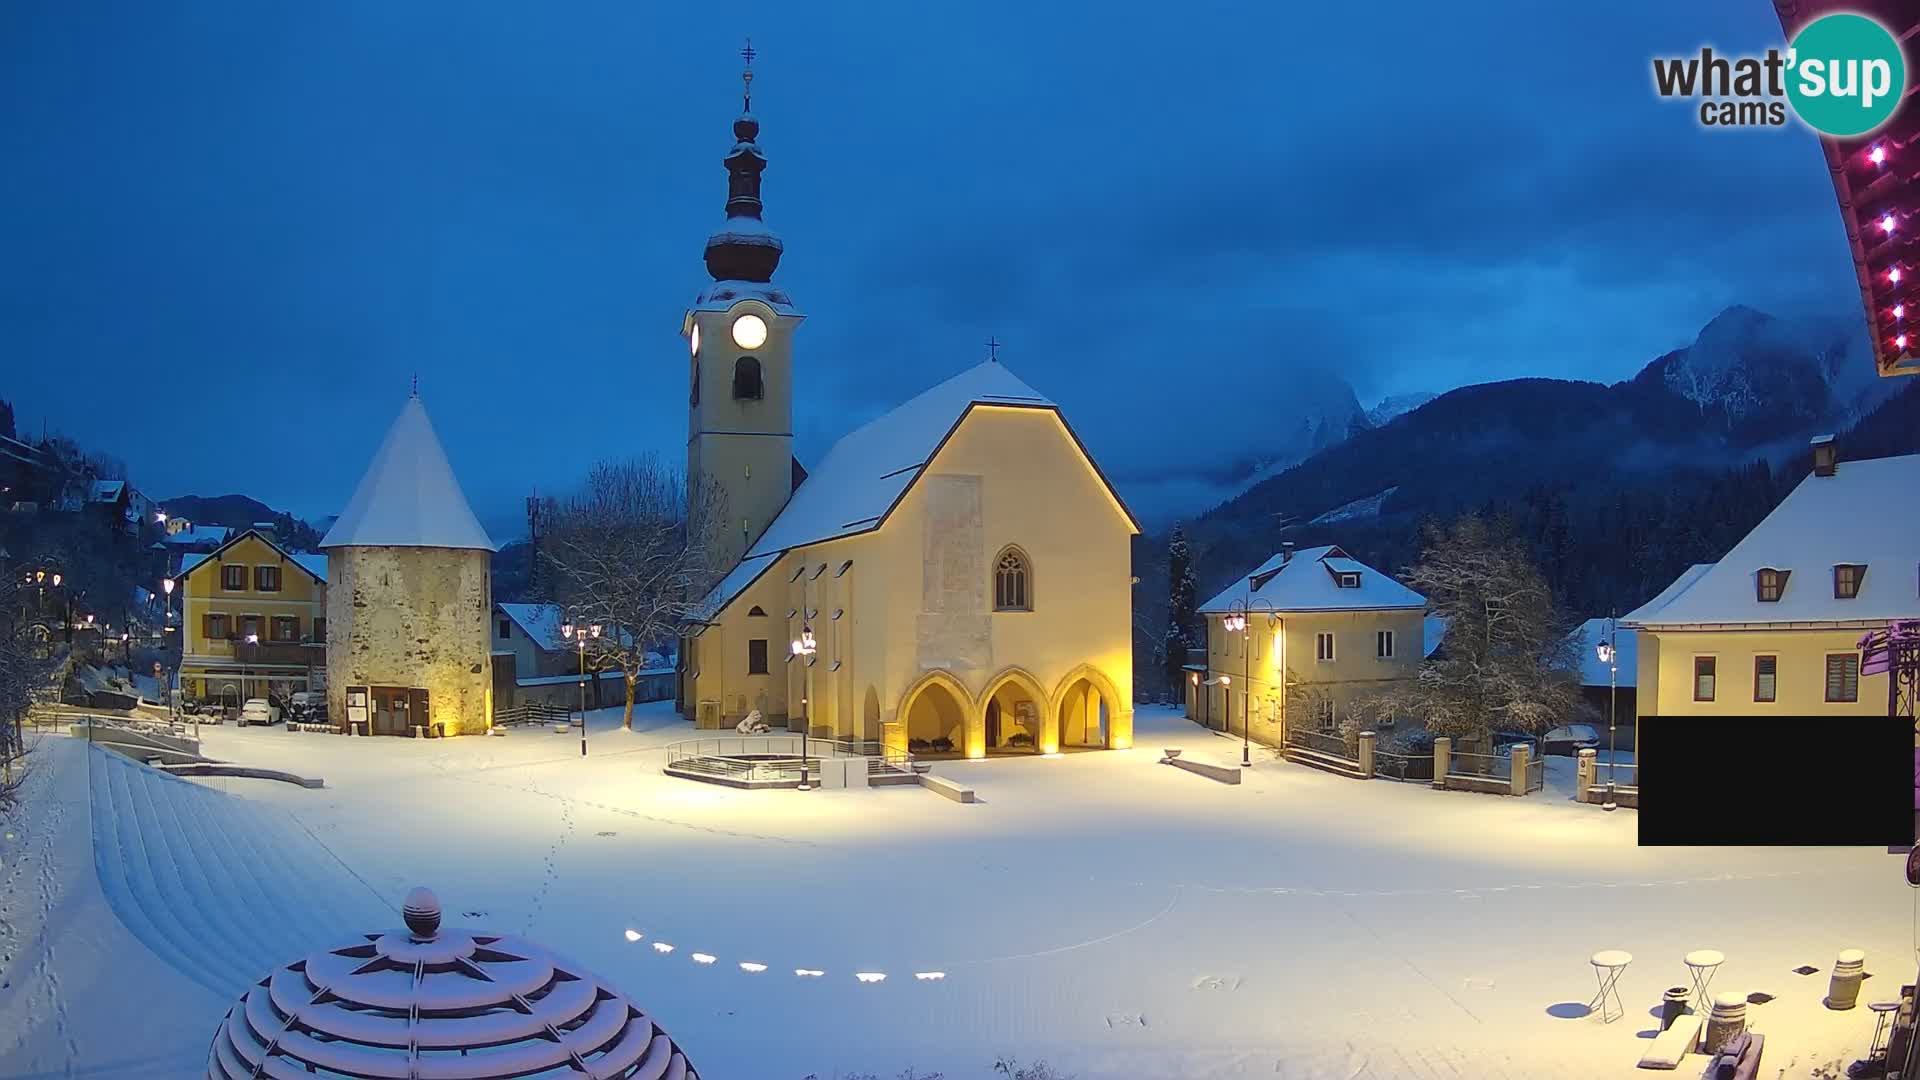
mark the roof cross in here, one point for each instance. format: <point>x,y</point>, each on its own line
<point>993,349</point>
<point>746,77</point>
<point>416,384</point>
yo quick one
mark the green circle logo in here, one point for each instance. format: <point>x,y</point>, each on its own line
<point>1846,74</point>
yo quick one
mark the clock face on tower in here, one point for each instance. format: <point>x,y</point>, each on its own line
<point>749,331</point>
<point>693,339</point>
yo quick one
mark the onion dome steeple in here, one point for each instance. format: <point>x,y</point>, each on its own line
<point>744,249</point>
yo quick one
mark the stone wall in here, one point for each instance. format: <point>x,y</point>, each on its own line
<point>415,617</point>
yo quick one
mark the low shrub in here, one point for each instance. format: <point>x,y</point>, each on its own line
<point>1020,738</point>
<point>941,745</point>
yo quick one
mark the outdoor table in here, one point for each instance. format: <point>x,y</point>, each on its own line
<point>1701,964</point>
<point>1607,966</point>
<point>1883,1017</point>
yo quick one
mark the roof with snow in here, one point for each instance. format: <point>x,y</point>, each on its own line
<point>454,1002</point>
<point>1593,671</point>
<point>312,563</point>
<point>722,295</point>
<point>865,475</point>
<point>106,490</point>
<point>541,623</point>
<point>1864,514</point>
<point>1307,582</point>
<point>197,536</point>
<point>409,496</point>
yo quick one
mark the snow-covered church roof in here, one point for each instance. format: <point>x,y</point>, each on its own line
<point>1862,515</point>
<point>865,475</point>
<point>409,496</point>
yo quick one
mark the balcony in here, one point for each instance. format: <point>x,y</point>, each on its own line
<point>297,653</point>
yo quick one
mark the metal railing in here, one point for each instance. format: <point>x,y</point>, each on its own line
<point>1324,742</point>
<point>1626,774</point>
<point>1536,774</point>
<point>730,753</point>
<point>1486,766</point>
<point>532,712</point>
<point>1397,766</point>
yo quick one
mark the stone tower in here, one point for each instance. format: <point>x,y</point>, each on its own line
<point>740,343</point>
<point>410,594</point>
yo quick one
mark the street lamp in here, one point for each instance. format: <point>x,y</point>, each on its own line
<point>253,652</point>
<point>1610,656</point>
<point>579,635</point>
<point>804,648</point>
<point>1236,623</point>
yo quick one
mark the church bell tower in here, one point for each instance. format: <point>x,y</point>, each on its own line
<point>739,333</point>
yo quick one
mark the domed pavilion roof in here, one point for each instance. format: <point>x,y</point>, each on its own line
<point>452,1003</point>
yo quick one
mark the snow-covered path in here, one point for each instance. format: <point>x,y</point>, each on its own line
<point>1117,917</point>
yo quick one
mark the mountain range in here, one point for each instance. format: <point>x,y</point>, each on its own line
<point>1715,430</point>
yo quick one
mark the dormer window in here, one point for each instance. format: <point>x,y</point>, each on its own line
<point>756,612</point>
<point>1769,584</point>
<point>1347,581</point>
<point>1846,580</point>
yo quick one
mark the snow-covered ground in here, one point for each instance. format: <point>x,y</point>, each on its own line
<point>1114,916</point>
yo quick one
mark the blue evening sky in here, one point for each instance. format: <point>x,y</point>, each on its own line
<point>231,232</point>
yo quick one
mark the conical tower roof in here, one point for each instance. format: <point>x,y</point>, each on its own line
<point>409,497</point>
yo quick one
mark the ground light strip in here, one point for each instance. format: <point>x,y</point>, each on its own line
<point>753,967</point>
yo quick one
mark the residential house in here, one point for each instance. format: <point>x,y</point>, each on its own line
<point>1774,626</point>
<point>254,619</point>
<point>545,666</point>
<point>1322,630</point>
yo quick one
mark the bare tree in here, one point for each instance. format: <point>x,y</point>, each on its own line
<point>27,667</point>
<point>629,553</point>
<point>1506,664</point>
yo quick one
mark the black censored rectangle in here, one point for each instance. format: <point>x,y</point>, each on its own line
<point>1775,780</point>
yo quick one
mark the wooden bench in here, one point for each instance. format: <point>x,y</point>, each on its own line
<point>946,788</point>
<point>1673,1044</point>
<point>1226,774</point>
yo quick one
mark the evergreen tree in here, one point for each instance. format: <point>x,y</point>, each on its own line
<point>1181,601</point>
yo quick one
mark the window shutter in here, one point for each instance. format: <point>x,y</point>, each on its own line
<point>206,627</point>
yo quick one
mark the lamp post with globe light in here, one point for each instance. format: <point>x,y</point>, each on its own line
<point>803,648</point>
<point>579,636</point>
<point>1609,655</point>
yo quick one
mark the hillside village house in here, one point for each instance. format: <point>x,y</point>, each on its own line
<point>954,577</point>
<point>1321,629</point>
<point>1775,625</point>
<point>533,662</point>
<point>254,616</point>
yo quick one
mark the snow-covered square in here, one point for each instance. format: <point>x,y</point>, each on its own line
<point>1100,911</point>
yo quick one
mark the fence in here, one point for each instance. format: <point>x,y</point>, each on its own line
<point>1324,742</point>
<point>1396,766</point>
<point>532,712</point>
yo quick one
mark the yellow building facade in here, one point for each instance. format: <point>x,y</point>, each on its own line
<point>1321,631</point>
<point>1774,626</point>
<point>952,578</point>
<point>254,621</point>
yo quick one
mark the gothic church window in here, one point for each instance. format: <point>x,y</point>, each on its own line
<point>1012,582</point>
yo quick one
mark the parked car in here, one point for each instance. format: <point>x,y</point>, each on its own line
<point>1570,739</point>
<point>258,711</point>
<point>306,707</point>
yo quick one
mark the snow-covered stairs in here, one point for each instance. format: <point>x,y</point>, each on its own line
<point>221,888</point>
<point>1324,762</point>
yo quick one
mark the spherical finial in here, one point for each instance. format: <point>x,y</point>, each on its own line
<point>745,128</point>
<point>422,912</point>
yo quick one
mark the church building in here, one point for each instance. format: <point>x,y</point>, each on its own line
<point>952,578</point>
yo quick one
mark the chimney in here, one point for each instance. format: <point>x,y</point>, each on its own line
<point>1826,455</point>
<point>1286,552</point>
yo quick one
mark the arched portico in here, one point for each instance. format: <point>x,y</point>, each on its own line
<point>1089,711</point>
<point>937,716</point>
<point>1017,715</point>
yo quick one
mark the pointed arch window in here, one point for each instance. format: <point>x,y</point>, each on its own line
<point>747,385</point>
<point>1012,581</point>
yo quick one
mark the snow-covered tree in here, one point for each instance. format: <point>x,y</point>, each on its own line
<point>1181,600</point>
<point>628,553</point>
<point>26,677</point>
<point>1507,664</point>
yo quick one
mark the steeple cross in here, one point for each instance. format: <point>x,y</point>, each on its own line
<point>746,77</point>
<point>993,349</point>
